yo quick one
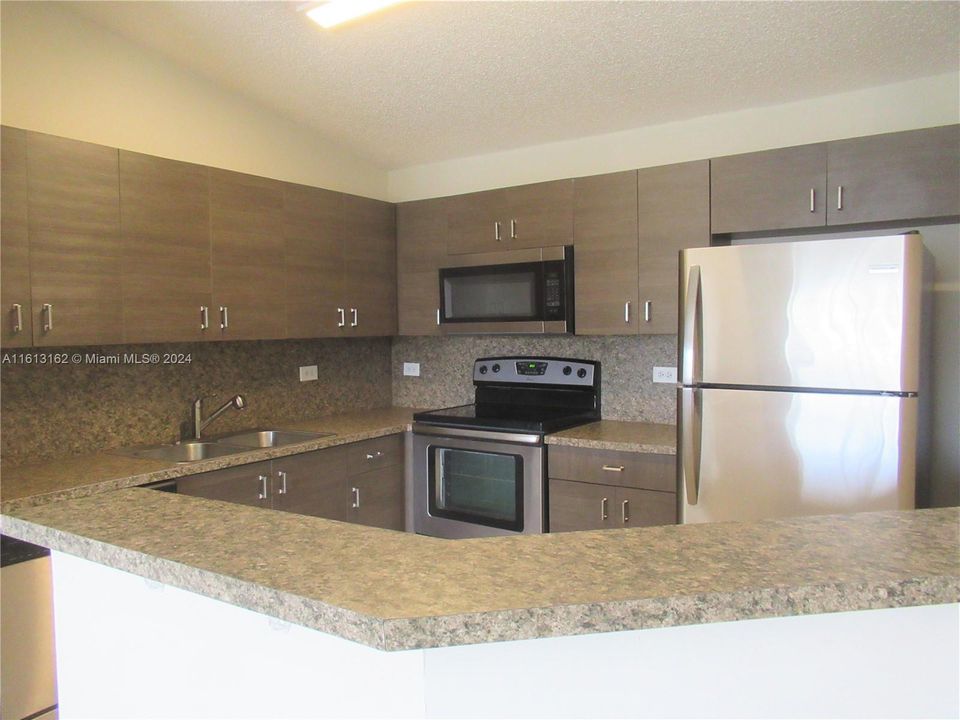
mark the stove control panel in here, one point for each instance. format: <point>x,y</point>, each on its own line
<point>535,371</point>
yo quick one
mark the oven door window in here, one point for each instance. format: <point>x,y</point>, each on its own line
<point>483,488</point>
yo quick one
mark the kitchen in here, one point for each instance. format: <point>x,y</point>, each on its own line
<point>63,75</point>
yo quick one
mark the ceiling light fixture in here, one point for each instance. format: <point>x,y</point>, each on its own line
<point>336,12</point>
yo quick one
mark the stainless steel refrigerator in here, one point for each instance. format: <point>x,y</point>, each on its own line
<point>799,377</point>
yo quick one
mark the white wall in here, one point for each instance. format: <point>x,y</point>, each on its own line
<point>64,75</point>
<point>927,102</point>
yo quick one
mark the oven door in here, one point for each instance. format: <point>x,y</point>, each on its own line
<point>465,487</point>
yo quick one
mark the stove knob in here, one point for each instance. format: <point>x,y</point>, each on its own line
<point>483,369</point>
<point>582,373</point>
<point>496,367</point>
<point>567,369</point>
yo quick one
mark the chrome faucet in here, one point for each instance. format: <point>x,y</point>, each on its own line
<point>199,423</point>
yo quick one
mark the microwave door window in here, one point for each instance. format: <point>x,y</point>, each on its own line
<point>496,296</point>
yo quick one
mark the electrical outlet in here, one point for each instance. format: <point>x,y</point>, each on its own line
<point>665,375</point>
<point>308,372</point>
<point>411,369</point>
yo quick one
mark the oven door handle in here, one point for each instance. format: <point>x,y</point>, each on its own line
<point>469,434</point>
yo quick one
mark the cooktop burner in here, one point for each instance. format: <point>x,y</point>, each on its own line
<point>528,394</point>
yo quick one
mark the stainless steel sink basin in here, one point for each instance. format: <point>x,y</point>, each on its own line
<point>183,452</point>
<point>271,438</point>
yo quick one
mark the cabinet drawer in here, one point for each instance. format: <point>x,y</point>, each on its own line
<point>610,467</point>
<point>373,454</point>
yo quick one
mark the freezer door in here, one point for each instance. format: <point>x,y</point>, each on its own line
<point>840,314</point>
<point>750,455</point>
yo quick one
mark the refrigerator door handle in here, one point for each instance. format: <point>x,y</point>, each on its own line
<point>690,441</point>
<point>691,369</point>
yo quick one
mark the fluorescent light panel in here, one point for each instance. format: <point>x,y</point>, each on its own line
<point>336,12</point>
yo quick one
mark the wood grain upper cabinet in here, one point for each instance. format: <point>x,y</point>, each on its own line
<point>673,214</point>
<point>370,266</point>
<point>769,190</point>
<point>421,251</point>
<point>895,176</point>
<point>73,195</point>
<point>525,216</point>
<point>165,226</point>
<point>15,324</point>
<point>313,260</point>
<point>605,259</point>
<point>247,263</point>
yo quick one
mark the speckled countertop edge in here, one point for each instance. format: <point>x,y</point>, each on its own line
<point>163,471</point>
<point>618,435</point>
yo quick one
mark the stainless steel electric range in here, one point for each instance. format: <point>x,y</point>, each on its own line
<point>480,469</point>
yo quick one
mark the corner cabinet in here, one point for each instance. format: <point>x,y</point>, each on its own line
<point>880,178</point>
<point>604,489</point>
<point>421,251</point>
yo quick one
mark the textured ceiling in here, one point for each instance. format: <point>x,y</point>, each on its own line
<point>429,81</point>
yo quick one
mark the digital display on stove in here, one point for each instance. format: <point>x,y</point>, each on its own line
<point>531,368</point>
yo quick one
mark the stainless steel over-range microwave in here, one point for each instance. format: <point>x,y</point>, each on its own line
<point>526,297</point>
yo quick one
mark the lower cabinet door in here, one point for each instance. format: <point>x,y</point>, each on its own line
<point>377,498</point>
<point>243,484</point>
<point>642,508</point>
<point>313,483</point>
<point>582,506</point>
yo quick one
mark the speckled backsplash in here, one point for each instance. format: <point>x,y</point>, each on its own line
<point>56,411</point>
<point>446,366</point>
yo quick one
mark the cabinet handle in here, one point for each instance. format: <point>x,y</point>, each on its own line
<point>355,317</point>
<point>496,231</point>
<point>625,511</point>
<point>46,310</point>
<point>603,509</point>
<point>438,316</point>
<point>342,317</point>
<point>224,317</point>
<point>17,318</point>
<point>813,200</point>
<point>356,497</point>
<point>204,317</point>
<point>626,311</point>
<point>374,456</point>
<point>839,197</point>
<point>264,493</point>
<point>513,229</point>
<point>613,468</point>
<point>283,482</point>
<point>647,308</point>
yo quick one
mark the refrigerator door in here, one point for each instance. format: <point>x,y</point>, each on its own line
<point>836,314</point>
<point>750,455</point>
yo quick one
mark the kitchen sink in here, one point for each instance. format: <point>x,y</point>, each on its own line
<point>271,438</point>
<point>183,452</point>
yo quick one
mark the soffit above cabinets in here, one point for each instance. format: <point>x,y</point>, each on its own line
<point>428,81</point>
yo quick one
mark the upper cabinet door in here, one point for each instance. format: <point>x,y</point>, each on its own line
<point>896,176</point>
<point>605,256</point>
<point>674,213</point>
<point>313,257</point>
<point>770,190</point>
<point>15,324</point>
<point>421,250</point>
<point>73,192</point>
<point>370,266</point>
<point>476,223</point>
<point>165,225</point>
<point>538,215</point>
<point>246,221</point>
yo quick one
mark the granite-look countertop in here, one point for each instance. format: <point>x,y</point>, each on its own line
<point>396,591</point>
<point>32,484</point>
<point>635,437</point>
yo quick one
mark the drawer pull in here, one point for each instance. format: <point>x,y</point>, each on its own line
<point>374,456</point>
<point>613,468</point>
<point>603,509</point>
<point>626,511</point>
